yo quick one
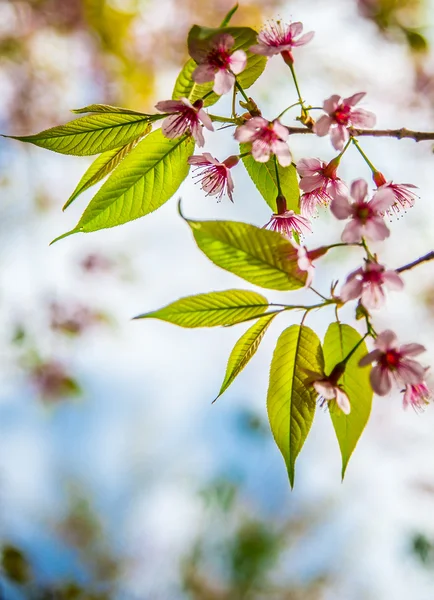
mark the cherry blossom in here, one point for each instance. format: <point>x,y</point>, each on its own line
<point>216,177</point>
<point>184,117</point>
<point>366,217</point>
<point>280,38</point>
<point>217,63</point>
<point>328,389</point>
<point>286,221</point>
<point>393,362</point>
<point>402,193</point>
<point>305,259</point>
<point>341,114</point>
<point>266,137</point>
<point>417,396</point>
<point>320,184</point>
<point>367,283</point>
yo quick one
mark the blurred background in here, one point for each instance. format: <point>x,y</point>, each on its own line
<point>118,478</point>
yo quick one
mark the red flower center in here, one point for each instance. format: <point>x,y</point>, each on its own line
<point>342,114</point>
<point>363,212</point>
<point>375,277</point>
<point>219,59</point>
<point>390,360</point>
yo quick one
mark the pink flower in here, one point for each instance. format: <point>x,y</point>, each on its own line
<point>393,363</point>
<point>305,259</point>
<point>417,396</point>
<point>216,178</point>
<point>366,217</point>
<point>402,193</point>
<point>341,114</point>
<point>328,389</point>
<point>184,117</point>
<point>266,138</point>
<point>320,183</point>
<point>216,62</point>
<point>367,283</point>
<point>286,221</point>
<point>277,37</point>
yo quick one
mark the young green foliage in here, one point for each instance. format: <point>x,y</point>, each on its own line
<point>259,256</point>
<point>291,401</point>
<point>92,134</point>
<point>338,343</point>
<point>244,350</point>
<point>144,181</point>
<point>263,176</point>
<point>244,38</point>
<point>101,167</point>
<point>212,309</point>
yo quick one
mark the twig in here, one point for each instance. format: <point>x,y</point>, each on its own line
<point>417,136</point>
<point>418,261</point>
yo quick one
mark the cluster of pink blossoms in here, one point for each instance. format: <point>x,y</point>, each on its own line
<point>218,61</point>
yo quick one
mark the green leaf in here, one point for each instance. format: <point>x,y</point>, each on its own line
<point>101,167</point>
<point>244,38</point>
<point>91,134</point>
<point>263,176</point>
<point>229,16</point>
<point>244,349</point>
<point>106,108</point>
<point>144,181</point>
<point>211,310</point>
<point>259,256</point>
<point>338,343</point>
<point>291,401</point>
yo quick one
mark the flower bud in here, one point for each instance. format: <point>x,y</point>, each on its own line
<point>378,178</point>
<point>281,204</point>
<point>231,161</point>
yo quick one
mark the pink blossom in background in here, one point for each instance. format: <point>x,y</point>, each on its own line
<point>328,389</point>
<point>367,283</point>
<point>403,195</point>
<point>186,117</point>
<point>267,138</point>
<point>305,259</point>
<point>341,114</point>
<point>217,63</point>
<point>320,184</point>
<point>277,37</point>
<point>366,217</point>
<point>393,362</point>
<point>215,178</point>
<point>417,396</point>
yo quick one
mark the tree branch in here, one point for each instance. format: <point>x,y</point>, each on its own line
<point>417,136</point>
<point>422,259</point>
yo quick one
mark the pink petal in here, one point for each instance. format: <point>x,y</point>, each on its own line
<point>337,189</point>
<point>331,104</point>
<point>205,119</point>
<point>304,39</point>
<point>322,126</point>
<point>223,42</point>
<point>230,185</point>
<point>169,106</point>
<point>363,118</point>
<point>341,208</point>
<point>325,389</point>
<point>196,131</point>
<point>373,296</point>
<point>352,232</point>
<point>203,73</point>
<point>310,183</point>
<point>376,230</point>
<point>386,340</point>
<point>412,349</point>
<point>264,50</point>
<point>354,99</point>
<point>369,358</point>
<point>351,289</point>
<point>223,82</point>
<point>244,134</point>
<point>238,61</point>
<point>295,29</point>
<point>201,160</point>
<point>280,130</point>
<point>392,280</point>
<point>411,372</point>
<point>359,190</point>
<point>309,166</point>
<point>381,380</point>
<point>174,126</point>
<point>343,401</point>
<point>382,199</point>
<point>282,152</point>
<point>339,136</point>
<point>261,151</point>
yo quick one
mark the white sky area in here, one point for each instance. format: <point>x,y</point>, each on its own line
<point>145,437</point>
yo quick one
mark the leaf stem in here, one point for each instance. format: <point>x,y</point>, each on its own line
<point>279,189</point>
<point>288,108</point>
<point>304,111</point>
<point>222,119</point>
<point>240,89</point>
<point>365,158</point>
